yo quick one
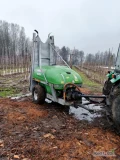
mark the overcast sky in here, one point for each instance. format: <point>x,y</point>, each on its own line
<point>88,25</point>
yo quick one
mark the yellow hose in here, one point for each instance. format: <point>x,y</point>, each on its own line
<point>64,91</point>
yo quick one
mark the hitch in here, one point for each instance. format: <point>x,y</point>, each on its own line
<point>78,95</point>
<point>72,93</point>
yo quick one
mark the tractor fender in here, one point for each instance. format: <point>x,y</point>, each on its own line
<point>109,75</point>
<point>114,80</point>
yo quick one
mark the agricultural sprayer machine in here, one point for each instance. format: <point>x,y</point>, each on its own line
<point>61,84</point>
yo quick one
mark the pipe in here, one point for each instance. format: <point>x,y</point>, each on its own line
<point>91,96</point>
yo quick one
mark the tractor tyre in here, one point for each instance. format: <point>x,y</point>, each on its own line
<point>107,87</point>
<point>38,94</point>
<point>116,108</point>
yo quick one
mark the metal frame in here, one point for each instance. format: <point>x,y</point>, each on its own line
<point>59,100</point>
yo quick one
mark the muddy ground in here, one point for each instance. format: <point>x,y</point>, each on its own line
<point>48,132</point>
<point>53,132</point>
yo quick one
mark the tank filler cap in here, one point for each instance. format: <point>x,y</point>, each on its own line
<point>68,72</point>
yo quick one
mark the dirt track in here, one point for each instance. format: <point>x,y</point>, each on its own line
<point>47,132</point>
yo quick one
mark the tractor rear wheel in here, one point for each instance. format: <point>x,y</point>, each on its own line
<point>116,108</point>
<point>107,87</point>
<point>38,94</point>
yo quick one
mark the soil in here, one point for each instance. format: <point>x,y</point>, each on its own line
<point>48,132</point>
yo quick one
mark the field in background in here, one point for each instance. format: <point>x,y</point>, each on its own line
<point>88,83</point>
<point>15,73</point>
<point>14,84</point>
<point>17,83</point>
<point>95,73</point>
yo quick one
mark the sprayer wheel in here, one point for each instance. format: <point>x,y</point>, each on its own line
<point>38,94</point>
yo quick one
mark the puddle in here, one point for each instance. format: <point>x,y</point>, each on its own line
<point>83,114</point>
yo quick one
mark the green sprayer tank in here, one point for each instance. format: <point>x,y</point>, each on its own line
<point>48,80</point>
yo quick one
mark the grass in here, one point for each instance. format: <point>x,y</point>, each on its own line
<point>5,92</point>
<point>12,85</point>
<point>88,83</point>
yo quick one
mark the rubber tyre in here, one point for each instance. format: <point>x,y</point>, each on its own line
<point>107,87</point>
<point>38,94</point>
<point>116,109</point>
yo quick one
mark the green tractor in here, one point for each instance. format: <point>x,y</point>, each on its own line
<point>112,91</point>
<point>58,83</point>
